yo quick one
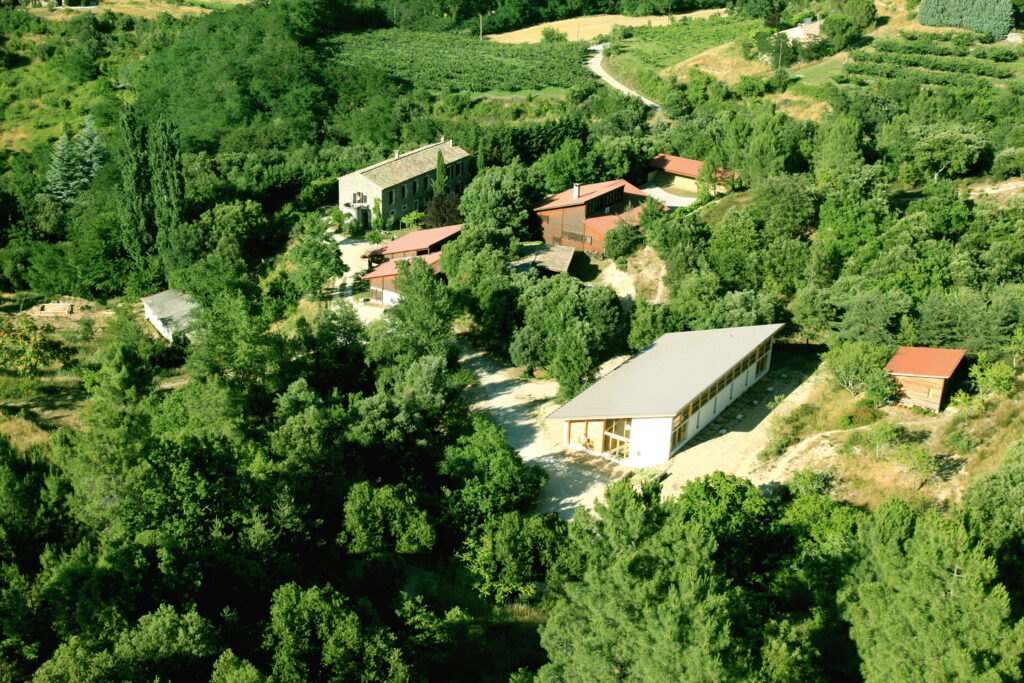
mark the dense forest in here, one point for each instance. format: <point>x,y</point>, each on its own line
<point>319,502</point>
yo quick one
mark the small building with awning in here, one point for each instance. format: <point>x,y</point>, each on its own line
<point>644,411</point>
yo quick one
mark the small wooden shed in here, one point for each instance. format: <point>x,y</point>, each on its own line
<point>924,374</point>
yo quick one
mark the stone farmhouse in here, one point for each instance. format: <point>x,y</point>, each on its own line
<point>402,183</point>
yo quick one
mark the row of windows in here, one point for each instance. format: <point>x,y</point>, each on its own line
<point>613,435</point>
<point>596,206</point>
<point>422,184</point>
<point>416,203</point>
<point>679,422</point>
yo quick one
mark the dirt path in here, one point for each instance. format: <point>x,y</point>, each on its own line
<point>735,451</point>
<point>352,250</point>
<point>518,407</point>
<point>594,64</point>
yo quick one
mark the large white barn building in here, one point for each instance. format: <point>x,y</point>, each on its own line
<point>644,411</point>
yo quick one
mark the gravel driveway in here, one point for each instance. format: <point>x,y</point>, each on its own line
<point>573,479</point>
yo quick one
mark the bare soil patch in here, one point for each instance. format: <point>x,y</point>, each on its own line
<point>588,28</point>
<point>725,62</point>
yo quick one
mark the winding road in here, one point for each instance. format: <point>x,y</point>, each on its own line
<point>594,64</point>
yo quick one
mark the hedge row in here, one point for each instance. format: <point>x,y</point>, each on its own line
<point>920,47</point>
<point>994,17</point>
<point>919,76</point>
<point>964,65</point>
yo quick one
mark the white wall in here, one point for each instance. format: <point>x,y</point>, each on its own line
<point>650,440</point>
<point>390,298</point>
<point>155,321</point>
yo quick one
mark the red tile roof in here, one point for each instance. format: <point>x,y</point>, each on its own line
<point>414,241</point>
<point>587,192</point>
<point>925,362</point>
<point>602,224</point>
<point>391,267</point>
<point>677,165</point>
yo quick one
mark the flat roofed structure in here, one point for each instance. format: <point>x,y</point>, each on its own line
<point>168,311</point>
<point>924,374</point>
<point>648,407</point>
<point>545,257</point>
<point>416,243</point>
<point>383,289</point>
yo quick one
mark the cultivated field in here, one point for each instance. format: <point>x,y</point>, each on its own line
<point>588,28</point>
<point>139,8</point>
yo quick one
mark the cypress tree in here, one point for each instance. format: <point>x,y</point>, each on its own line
<point>177,241</point>
<point>440,182</point>
<point>134,211</point>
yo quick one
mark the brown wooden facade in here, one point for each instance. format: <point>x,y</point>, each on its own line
<point>925,392</point>
<point>564,225</point>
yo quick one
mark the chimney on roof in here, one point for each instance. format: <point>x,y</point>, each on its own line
<point>575,190</point>
<point>451,143</point>
<point>442,138</point>
<point>396,153</point>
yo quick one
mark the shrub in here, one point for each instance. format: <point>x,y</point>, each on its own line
<point>553,35</point>
<point>961,443</point>
<point>918,462</point>
<point>1009,162</point>
<point>809,483</point>
<point>991,17</point>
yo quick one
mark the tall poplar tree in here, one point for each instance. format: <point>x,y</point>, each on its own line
<point>178,242</point>
<point>440,182</point>
<point>134,210</point>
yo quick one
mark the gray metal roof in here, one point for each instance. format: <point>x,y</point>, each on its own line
<point>412,164</point>
<point>173,309</point>
<point>667,375</point>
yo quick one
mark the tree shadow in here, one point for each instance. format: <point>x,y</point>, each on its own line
<point>948,466</point>
<point>583,268</point>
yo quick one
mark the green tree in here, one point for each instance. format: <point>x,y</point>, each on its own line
<point>315,259</point>
<point>26,349</point>
<point>852,364</point>
<point>178,242</point>
<point>315,636</point>
<point>651,602</point>
<point>622,240</point>
<point>951,148</point>
<point>420,324</point>
<point>491,477</point>
<point>384,519</point>
<point>840,31</point>
<point>923,603</point>
<point>68,173</point>
<point>498,198</point>
<point>134,211</point>
<point>509,556</point>
<point>439,185</point>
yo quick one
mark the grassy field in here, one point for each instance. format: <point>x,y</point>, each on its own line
<point>460,63</point>
<point>589,28</point>
<point>831,433</point>
<point>725,62</point>
<point>140,8</point>
<point>640,57</point>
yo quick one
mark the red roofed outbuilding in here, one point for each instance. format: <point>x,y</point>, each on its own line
<point>924,374</point>
<point>383,289</point>
<point>417,243</point>
<point>563,216</point>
